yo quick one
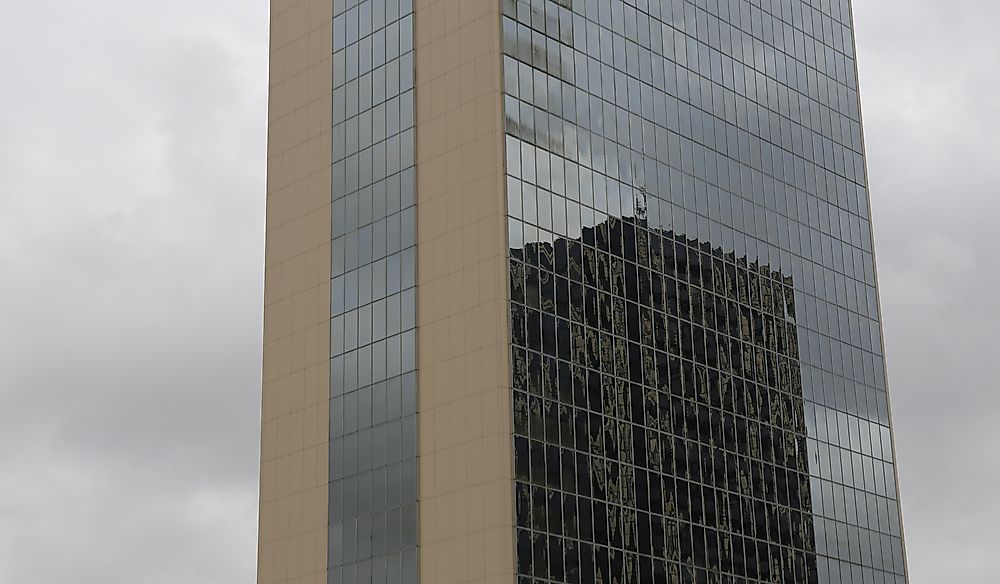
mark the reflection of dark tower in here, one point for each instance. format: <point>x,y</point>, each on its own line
<point>659,426</point>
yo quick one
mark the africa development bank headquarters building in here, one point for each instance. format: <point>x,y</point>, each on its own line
<point>571,291</point>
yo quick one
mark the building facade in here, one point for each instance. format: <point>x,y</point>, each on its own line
<point>571,291</point>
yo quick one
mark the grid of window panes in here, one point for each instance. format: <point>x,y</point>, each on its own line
<point>659,428</point>
<point>373,399</point>
<point>735,127</point>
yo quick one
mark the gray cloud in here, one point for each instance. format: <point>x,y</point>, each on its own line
<point>929,74</point>
<point>131,218</point>
<point>131,239</point>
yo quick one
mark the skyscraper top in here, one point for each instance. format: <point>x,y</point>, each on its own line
<point>572,292</point>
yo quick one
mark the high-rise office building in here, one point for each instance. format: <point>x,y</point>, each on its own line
<point>571,291</point>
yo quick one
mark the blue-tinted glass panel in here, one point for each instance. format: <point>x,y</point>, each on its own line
<point>699,388</point>
<point>373,384</point>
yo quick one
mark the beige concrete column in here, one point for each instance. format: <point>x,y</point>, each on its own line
<point>294,475</point>
<point>466,479</point>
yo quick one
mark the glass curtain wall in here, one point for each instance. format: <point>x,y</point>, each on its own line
<point>699,388</point>
<point>373,399</point>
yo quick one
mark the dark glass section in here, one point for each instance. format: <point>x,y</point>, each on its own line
<point>699,388</point>
<point>373,381</point>
<point>658,413</point>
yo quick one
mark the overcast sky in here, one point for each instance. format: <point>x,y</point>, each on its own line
<point>131,238</point>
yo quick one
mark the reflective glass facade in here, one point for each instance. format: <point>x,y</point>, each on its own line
<point>698,383</point>
<point>373,387</point>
